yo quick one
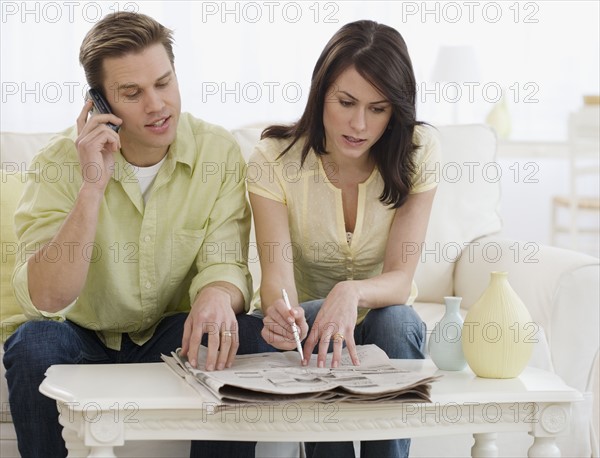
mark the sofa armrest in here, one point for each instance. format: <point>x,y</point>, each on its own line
<point>559,287</point>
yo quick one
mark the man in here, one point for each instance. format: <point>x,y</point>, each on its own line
<point>136,248</point>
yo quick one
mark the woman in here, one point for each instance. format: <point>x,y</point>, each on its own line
<point>341,210</point>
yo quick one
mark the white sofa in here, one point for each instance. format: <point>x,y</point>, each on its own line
<point>559,287</point>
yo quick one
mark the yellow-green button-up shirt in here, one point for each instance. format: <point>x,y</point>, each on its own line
<point>148,260</point>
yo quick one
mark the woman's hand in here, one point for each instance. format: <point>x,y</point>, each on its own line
<point>335,321</point>
<point>278,320</point>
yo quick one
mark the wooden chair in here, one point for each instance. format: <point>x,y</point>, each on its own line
<point>582,204</point>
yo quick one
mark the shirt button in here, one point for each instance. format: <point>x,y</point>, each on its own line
<point>147,238</point>
<point>148,285</point>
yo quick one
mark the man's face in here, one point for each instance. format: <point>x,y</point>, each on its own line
<point>143,91</point>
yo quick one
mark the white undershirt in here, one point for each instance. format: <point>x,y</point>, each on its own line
<point>146,176</point>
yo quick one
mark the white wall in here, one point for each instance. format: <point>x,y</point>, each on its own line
<point>243,62</point>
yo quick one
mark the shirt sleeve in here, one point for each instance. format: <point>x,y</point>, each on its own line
<point>264,172</point>
<point>48,196</point>
<point>427,160</point>
<point>224,253</point>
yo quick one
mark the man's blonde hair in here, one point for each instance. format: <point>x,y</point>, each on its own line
<point>116,35</point>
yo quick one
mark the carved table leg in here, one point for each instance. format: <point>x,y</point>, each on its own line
<point>102,452</point>
<point>544,447</point>
<point>71,433</point>
<point>104,433</point>
<point>484,446</point>
<point>550,420</point>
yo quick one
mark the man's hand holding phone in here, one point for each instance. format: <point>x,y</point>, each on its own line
<point>96,143</point>
<point>101,106</point>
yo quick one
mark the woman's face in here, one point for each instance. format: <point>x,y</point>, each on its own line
<point>355,115</point>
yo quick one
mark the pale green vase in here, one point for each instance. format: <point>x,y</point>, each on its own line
<point>445,347</point>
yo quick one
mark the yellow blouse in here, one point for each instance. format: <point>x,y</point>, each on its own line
<point>320,248</point>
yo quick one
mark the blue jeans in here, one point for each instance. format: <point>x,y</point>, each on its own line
<point>399,331</point>
<point>37,345</point>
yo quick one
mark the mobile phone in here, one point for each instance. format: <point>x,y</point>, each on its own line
<point>101,105</point>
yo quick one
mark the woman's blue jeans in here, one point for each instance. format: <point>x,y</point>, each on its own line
<point>37,345</point>
<point>399,331</point>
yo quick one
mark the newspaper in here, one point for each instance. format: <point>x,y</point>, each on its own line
<point>274,377</point>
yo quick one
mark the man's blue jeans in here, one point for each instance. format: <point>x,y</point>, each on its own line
<point>399,331</point>
<point>36,345</point>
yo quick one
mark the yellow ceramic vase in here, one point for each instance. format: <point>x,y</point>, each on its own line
<point>498,332</point>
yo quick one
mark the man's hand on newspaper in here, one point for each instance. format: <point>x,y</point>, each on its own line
<point>211,314</point>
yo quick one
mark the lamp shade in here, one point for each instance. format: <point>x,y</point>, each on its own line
<point>457,64</point>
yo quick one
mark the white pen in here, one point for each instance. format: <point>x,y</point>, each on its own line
<point>294,327</point>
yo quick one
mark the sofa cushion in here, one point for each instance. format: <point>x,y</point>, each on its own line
<point>11,186</point>
<point>466,206</point>
<point>18,148</point>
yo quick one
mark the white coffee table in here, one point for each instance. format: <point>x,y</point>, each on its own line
<point>102,406</point>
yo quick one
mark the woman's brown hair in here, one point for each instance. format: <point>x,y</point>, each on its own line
<point>379,54</point>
